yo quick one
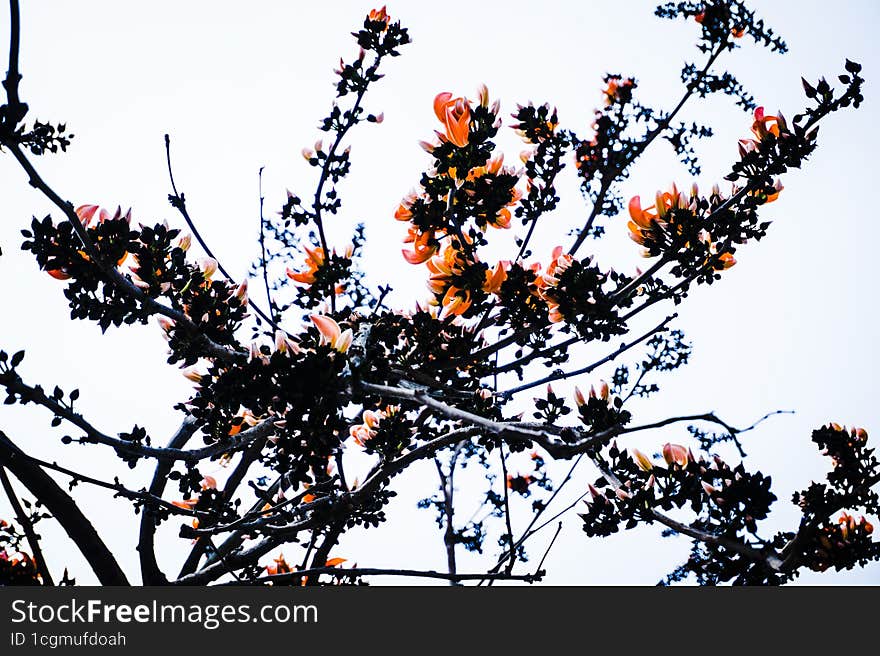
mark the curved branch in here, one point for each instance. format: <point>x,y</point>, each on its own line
<point>65,510</point>
<point>27,526</point>
<point>14,384</point>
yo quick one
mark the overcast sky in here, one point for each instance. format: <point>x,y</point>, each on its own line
<point>792,326</point>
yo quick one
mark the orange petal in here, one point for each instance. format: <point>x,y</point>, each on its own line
<point>328,328</point>
<point>333,562</point>
<point>440,101</point>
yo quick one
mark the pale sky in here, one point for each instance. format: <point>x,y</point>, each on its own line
<point>792,326</point>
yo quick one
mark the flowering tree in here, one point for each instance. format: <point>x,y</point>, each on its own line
<point>289,391</point>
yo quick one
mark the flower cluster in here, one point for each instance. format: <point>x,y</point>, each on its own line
<point>468,190</point>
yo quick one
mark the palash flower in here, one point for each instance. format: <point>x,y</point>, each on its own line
<point>313,262</point>
<point>331,333</point>
<point>763,126</point>
<point>613,91</point>
<point>496,277</point>
<point>365,431</point>
<point>545,281</point>
<point>443,266</point>
<point>518,482</point>
<point>848,524</point>
<point>424,246</point>
<point>735,32</point>
<point>247,420</point>
<point>455,114</point>
<point>379,15</point>
<point>645,221</point>
<point>278,566</point>
<point>87,217</point>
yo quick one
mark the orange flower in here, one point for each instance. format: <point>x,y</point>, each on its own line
<point>455,302</point>
<point>379,15</point>
<point>615,84</point>
<point>725,261</point>
<point>86,215</point>
<point>314,260</point>
<point>424,247</point>
<point>280,566</point>
<point>546,281</point>
<point>455,114</point>
<point>365,431</point>
<point>59,274</point>
<point>247,419</point>
<point>495,278</point>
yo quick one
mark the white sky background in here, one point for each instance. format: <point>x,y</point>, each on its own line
<point>790,327</point>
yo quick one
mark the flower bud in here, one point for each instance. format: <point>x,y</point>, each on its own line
<point>675,454</point>
<point>643,461</point>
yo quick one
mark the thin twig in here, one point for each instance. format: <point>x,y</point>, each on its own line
<point>178,201</point>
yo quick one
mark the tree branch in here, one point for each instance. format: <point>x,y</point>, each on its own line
<point>151,574</point>
<point>28,527</point>
<point>65,510</point>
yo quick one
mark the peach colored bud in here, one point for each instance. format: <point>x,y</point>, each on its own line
<point>344,340</point>
<point>579,397</point>
<point>708,489</point>
<point>594,492</point>
<point>622,494</point>
<point>209,267</point>
<point>649,483</point>
<point>165,324</point>
<point>191,374</point>
<point>209,483</point>
<point>380,117</point>
<point>675,454</point>
<point>426,146</point>
<point>241,292</point>
<point>485,394</point>
<point>643,461</point>
<point>308,154</point>
<point>603,390</point>
<point>371,419</point>
<point>184,242</point>
<point>483,95</point>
